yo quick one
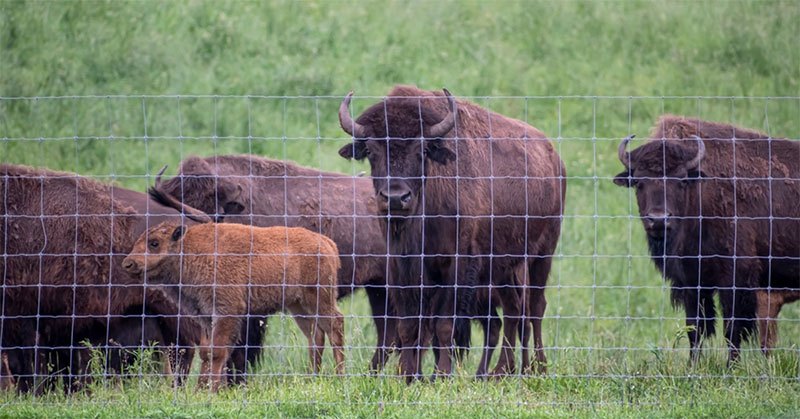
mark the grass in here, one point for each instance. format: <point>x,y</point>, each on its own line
<point>116,90</point>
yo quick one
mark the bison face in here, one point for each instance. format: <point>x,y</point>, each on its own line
<point>399,137</point>
<point>665,175</point>
<point>153,249</point>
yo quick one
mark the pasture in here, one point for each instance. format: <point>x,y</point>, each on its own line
<point>116,90</point>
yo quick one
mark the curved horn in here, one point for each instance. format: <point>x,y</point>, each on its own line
<point>349,125</point>
<point>158,176</point>
<point>449,121</point>
<point>161,196</point>
<point>701,152</point>
<point>624,156</point>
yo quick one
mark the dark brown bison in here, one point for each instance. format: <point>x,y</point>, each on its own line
<point>719,206</point>
<point>471,198</point>
<point>64,238</point>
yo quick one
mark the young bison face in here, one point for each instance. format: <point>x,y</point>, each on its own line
<point>398,137</point>
<point>665,175</point>
<point>153,249</point>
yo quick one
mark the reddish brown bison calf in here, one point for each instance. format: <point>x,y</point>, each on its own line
<point>227,271</point>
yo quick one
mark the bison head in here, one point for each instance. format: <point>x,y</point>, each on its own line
<point>399,137</point>
<point>200,186</point>
<point>153,249</point>
<point>665,175</point>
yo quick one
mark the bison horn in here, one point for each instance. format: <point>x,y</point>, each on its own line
<point>701,152</point>
<point>158,176</point>
<point>445,125</point>
<point>624,156</point>
<point>349,125</point>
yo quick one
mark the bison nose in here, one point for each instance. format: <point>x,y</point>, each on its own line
<point>658,221</point>
<point>397,199</point>
<point>129,265</point>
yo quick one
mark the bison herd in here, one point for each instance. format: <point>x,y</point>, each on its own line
<point>460,217</point>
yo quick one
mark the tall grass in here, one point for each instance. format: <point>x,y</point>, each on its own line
<point>115,90</point>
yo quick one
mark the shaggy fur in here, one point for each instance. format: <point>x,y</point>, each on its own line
<point>746,188</point>
<point>227,271</point>
<point>64,237</point>
<point>491,190</point>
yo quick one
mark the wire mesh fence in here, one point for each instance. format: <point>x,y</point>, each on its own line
<point>483,246</point>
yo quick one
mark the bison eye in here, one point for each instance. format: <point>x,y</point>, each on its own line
<point>153,244</point>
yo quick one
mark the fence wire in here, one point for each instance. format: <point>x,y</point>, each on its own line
<point>396,276</point>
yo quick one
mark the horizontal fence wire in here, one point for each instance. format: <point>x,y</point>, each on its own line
<point>400,253</point>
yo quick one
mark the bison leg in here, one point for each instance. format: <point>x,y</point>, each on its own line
<point>700,315</point>
<point>538,305</point>
<point>491,331</point>
<point>21,365</point>
<point>539,272</point>
<point>738,309</point>
<point>332,324</point>
<point>316,337</point>
<point>444,336</point>
<point>511,318</point>
<point>6,377</point>
<point>411,331</point>
<point>408,331</point>
<point>384,326</point>
<point>769,307</point>
<point>216,350</point>
<point>246,355</point>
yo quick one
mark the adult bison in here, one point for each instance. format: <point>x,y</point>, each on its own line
<point>471,198</point>
<point>64,237</point>
<point>719,206</point>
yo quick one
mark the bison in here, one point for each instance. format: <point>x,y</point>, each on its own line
<point>470,199</point>
<point>65,236</point>
<point>719,207</point>
<point>230,271</point>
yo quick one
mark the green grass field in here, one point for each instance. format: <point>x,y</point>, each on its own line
<point>115,90</point>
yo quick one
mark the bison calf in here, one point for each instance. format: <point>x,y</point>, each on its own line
<point>227,271</point>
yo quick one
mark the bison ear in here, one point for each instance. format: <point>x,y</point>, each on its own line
<point>355,150</point>
<point>438,152</point>
<point>178,232</point>
<point>623,179</point>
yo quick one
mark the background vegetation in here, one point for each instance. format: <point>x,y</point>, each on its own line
<point>115,90</point>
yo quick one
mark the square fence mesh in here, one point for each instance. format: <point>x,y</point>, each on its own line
<point>476,245</point>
